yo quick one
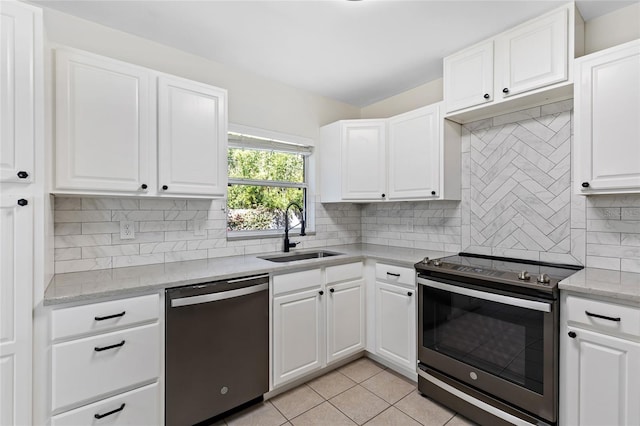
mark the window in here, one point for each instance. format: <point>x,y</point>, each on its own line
<point>265,175</point>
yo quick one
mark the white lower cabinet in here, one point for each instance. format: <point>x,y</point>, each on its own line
<point>105,369</point>
<point>395,316</point>
<point>135,408</point>
<point>600,367</point>
<point>318,318</point>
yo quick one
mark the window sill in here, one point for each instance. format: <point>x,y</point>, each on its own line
<point>259,235</point>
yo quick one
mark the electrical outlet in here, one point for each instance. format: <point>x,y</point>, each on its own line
<point>198,228</point>
<point>126,230</point>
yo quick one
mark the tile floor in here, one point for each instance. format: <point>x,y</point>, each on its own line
<point>362,392</point>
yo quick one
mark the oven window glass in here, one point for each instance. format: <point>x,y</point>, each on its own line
<point>506,341</point>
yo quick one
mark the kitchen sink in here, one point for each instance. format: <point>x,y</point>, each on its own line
<point>299,256</point>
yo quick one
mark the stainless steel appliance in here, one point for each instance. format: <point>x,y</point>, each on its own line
<point>217,348</point>
<point>488,337</point>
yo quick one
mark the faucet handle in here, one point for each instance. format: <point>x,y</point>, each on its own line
<point>293,243</point>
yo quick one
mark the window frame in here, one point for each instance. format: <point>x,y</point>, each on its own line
<point>307,152</point>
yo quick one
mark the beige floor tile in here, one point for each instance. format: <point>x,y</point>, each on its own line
<point>359,404</point>
<point>389,386</point>
<point>392,416</point>
<point>263,414</point>
<point>331,384</point>
<point>296,401</point>
<point>323,415</point>
<point>458,420</point>
<point>424,410</point>
<point>361,369</point>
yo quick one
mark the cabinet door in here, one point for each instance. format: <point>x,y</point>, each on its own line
<point>17,85</point>
<point>192,138</point>
<point>16,283</point>
<point>396,324</point>
<point>607,127</point>
<point>468,77</point>
<point>363,160</point>
<point>414,154</point>
<point>533,55</point>
<point>104,124</point>
<point>297,335</point>
<point>345,319</point>
<point>601,380</point>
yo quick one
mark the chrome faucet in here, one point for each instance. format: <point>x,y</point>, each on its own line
<point>287,243</point>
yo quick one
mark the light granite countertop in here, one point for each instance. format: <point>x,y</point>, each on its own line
<point>91,285</point>
<point>624,286</point>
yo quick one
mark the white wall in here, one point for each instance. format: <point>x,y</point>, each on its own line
<point>253,100</point>
<point>420,96</point>
<point>612,29</point>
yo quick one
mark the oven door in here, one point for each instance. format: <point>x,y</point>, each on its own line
<point>501,344</point>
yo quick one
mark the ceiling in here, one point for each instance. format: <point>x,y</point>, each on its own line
<point>357,52</point>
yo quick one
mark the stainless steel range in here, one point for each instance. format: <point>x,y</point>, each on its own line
<point>488,337</point>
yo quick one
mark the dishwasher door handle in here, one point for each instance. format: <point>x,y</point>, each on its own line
<point>222,295</point>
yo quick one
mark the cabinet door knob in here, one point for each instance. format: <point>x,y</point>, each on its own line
<point>572,334</point>
<point>321,292</point>
<point>22,174</point>
<point>585,184</point>
<point>144,186</point>
<point>505,90</point>
<point>22,202</point>
<point>409,294</point>
<point>486,96</point>
<point>433,192</point>
<point>331,290</point>
<point>383,195</point>
<point>165,187</point>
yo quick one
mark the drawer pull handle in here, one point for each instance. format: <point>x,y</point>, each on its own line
<point>104,348</point>
<point>617,319</point>
<point>117,410</point>
<point>392,274</point>
<point>121,314</point>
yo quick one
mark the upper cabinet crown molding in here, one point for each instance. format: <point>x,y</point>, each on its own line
<point>528,65</point>
<point>123,129</point>
<point>411,156</point>
<point>607,130</point>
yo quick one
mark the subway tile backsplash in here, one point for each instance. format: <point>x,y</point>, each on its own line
<point>87,232</point>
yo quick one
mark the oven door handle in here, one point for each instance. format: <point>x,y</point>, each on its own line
<point>493,297</point>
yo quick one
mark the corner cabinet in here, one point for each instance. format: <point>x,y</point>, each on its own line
<point>607,129</point>
<point>411,156</point>
<point>600,356</point>
<point>122,129</point>
<point>525,66</point>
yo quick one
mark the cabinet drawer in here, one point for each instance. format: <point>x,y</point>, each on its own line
<point>91,367</point>
<point>297,281</point>
<point>139,407</point>
<point>621,318</point>
<point>348,272</point>
<point>104,316</point>
<point>396,274</point>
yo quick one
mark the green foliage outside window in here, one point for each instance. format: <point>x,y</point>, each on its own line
<point>258,207</point>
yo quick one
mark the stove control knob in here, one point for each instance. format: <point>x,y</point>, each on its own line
<point>437,262</point>
<point>524,276</point>
<point>544,279</point>
<point>426,260</point>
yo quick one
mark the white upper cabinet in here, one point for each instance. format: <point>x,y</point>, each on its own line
<point>414,154</point>
<point>533,55</point>
<point>122,129</point>
<point>607,125</point>
<point>469,77</point>
<point>528,65</point>
<point>104,126</point>
<point>17,106</point>
<point>192,118</point>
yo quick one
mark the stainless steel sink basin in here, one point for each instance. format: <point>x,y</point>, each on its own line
<point>299,256</point>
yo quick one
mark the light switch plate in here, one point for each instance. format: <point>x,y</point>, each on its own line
<point>126,230</point>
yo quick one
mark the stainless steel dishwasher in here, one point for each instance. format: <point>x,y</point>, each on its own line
<point>216,348</point>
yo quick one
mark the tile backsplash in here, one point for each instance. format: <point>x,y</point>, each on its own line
<point>87,232</point>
